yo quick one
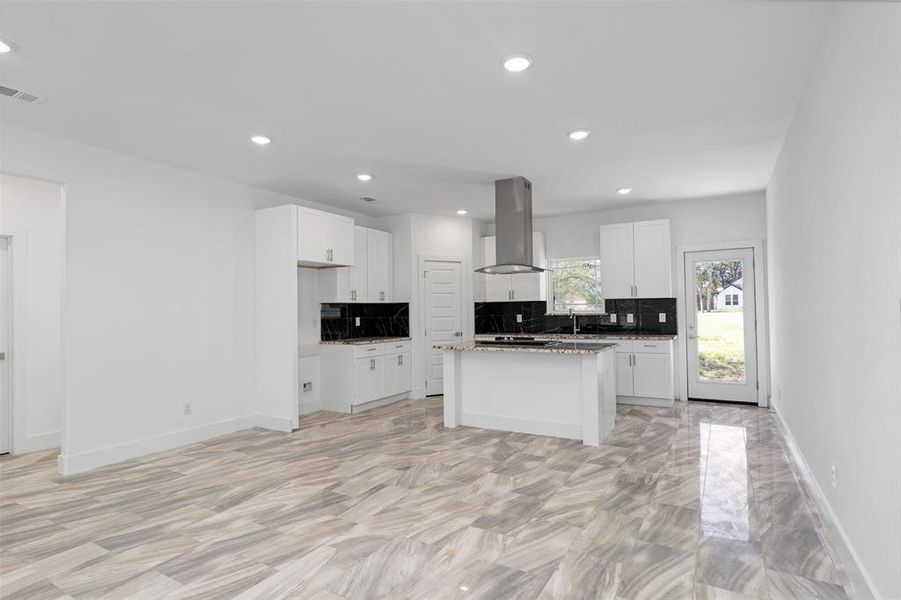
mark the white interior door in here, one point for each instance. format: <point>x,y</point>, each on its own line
<point>722,336</point>
<point>5,413</point>
<point>443,316</point>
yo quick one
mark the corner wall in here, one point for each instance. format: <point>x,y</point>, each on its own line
<point>834,222</point>
<point>159,299</point>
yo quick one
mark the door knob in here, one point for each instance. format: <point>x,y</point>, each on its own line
<point>692,336</point>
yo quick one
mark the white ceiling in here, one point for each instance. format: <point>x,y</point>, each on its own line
<point>683,99</point>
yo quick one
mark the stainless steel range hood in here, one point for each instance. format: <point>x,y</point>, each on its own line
<point>513,228</point>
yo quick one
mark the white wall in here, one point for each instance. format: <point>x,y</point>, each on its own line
<point>159,298</point>
<point>34,211</point>
<point>713,219</point>
<point>834,217</point>
<point>418,236</point>
<point>736,217</point>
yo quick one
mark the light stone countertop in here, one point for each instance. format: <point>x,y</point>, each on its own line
<point>556,347</point>
<point>581,336</point>
<point>366,341</point>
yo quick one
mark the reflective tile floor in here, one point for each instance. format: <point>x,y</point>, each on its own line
<point>698,501</point>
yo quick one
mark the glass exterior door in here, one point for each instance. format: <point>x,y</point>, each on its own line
<point>722,340</point>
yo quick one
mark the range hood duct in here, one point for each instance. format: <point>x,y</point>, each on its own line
<point>513,228</point>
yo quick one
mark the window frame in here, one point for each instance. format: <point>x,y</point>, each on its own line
<point>551,302</point>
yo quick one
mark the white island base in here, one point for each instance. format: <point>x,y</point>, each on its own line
<point>568,394</point>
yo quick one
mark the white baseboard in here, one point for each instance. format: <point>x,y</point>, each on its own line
<point>418,393</point>
<point>358,408</point>
<point>642,401</point>
<point>70,464</point>
<point>572,431</point>
<point>310,407</point>
<point>838,537</point>
<point>273,422</point>
<point>39,441</point>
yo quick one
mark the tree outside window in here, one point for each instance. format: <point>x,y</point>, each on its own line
<point>576,285</point>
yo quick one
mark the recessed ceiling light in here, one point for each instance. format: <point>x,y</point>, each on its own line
<point>364,177</point>
<point>579,134</point>
<point>4,47</point>
<point>517,62</point>
<point>461,212</point>
<point>623,191</point>
<point>260,140</point>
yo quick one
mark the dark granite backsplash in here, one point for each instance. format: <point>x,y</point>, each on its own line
<point>501,317</point>
<point>383,319</point>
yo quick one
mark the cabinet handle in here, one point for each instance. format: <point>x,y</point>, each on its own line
<point>381,295</point>
<point>399,346</point>
<point>513,294</point>
<point>372,364</point>
<point>400,359</point>
<point>371,349</point>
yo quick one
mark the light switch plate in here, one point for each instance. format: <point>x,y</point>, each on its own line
<point>630,318</point>
<point>357,321</point>
<point>519,318</point>
<point>661,317</point>
<point>613,317</point>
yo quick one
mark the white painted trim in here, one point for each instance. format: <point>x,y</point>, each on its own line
<point>273,422</point>
<point>18,309</point>
<point>310,407</point>
<point>643,401</point>
<point>70,464</point>
<point>571,431</point>
<point>424,351</point>
<point>760,293</point>
<point>359,408</point>
<point>40,441</point>
<point>834,530</point>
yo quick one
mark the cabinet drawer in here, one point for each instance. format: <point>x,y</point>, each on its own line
<point>652,346</point>
<point>381,349</point>
<point>622,346</point>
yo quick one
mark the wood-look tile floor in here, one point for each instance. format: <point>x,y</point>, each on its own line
<point>697,501</point>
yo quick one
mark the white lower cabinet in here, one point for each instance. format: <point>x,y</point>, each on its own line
<point>624,385</point>
<point>357,377</point>
<point>644,371</point>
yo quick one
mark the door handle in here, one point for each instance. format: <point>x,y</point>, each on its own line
<point>691,336</point>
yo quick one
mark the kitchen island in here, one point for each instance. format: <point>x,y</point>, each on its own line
<point>556,388</point>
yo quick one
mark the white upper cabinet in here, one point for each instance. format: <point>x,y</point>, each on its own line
<point>636,260</point>
<point>617,260</point>
<point>370,279</point>
<point>653,260</point>
<point>380,262</point>
<point>522,287</point>
<point>324,239</point>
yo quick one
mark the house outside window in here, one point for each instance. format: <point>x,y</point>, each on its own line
<point>575,285</point>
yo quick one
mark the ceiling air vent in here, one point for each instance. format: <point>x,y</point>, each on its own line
<point>368,199</point>
<point>20,95</point>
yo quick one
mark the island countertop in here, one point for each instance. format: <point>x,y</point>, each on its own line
<point>582,336</point>
<point>366,341</point>
<point>553,347</point>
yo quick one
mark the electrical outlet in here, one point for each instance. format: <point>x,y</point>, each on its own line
<point>630,318</point>
<point>661,317</point>
<point>519,318</point>
<point>188,408</point>
<point>357,321</point>
<point>613,317</point>
<point>834,478</point>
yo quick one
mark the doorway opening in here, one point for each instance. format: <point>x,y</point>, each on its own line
<point>721,310</point>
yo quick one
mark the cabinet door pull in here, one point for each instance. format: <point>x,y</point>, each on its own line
<point>372,364</point>
<point>400,359</point>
